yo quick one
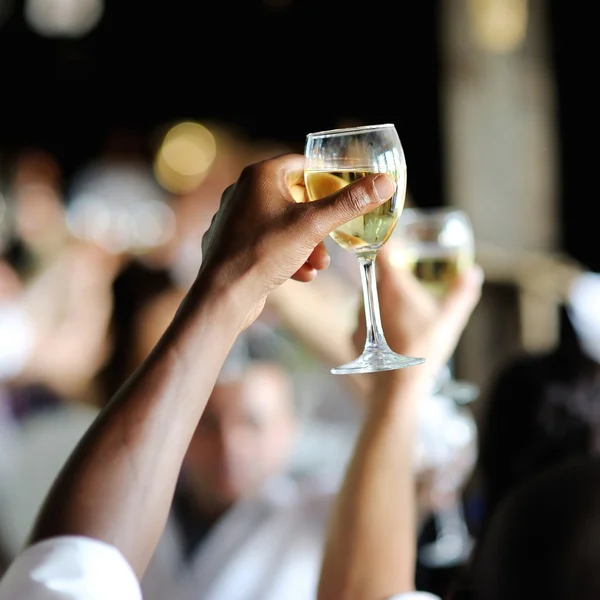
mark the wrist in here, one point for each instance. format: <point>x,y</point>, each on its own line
<point>394,386</point>
<point>233,298</point>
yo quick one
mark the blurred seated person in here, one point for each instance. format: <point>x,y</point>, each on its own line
<point>238,499</point>
<point>243,524</point>
<point>545,408</point>
<point>35,203</point>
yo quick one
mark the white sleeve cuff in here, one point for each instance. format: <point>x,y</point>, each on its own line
<point>70,568</point>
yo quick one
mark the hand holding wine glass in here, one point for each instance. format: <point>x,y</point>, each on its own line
<point>335,159</point>
<point>414,321</point>
<point>439,245</point>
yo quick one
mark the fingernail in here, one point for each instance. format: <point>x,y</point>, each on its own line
<point>384,187</point>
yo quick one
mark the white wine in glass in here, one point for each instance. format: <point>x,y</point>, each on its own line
<point>335,159</point>
<point>438,244</point>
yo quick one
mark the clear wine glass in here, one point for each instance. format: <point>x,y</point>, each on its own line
<point>447,444</point>
<point>335,159</point>
<point>438,244</point>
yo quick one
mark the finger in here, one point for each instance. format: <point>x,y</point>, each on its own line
<point>350,202</point>
<point>319,257</point>
<point>305,273</point>
<point>291,165</point>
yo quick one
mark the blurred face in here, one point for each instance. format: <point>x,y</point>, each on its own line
<point>244,437</point>
<point>39,213</point>
<point>39,209</point>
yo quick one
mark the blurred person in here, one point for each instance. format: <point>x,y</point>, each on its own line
<point>52,341</point>
<point>16,330</point>
<point>370,553</point>
<point>36,201</point>
<point>63,297</point>
<point>544,539</point>
<point>544,408</point>
<point>102,519</point>
<point>168,269</point>
<point>15,348</point>
<point>242,525</point>
<point>239,476</point>
<point>195,205</point>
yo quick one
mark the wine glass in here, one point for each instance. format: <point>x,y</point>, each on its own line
<point>438,244</point>
<point>335,159</point>
<point>447,448</point>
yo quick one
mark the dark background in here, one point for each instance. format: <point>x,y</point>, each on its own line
<point>296,66</point>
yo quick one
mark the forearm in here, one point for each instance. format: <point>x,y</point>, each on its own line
<point>370,551</point>
<point>118,484</point>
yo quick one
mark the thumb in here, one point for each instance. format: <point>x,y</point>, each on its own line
<point>393,272</point>
<point>351,201</point>
<point>462,298</point>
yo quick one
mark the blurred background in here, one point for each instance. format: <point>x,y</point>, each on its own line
<point>121,123</point>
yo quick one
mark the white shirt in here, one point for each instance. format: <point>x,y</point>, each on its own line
<point>78,568</point>
<point>17,339</point>
<point>70,568</point>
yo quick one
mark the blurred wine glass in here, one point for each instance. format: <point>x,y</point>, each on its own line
<point>437,245</point>
<point>447,451</point>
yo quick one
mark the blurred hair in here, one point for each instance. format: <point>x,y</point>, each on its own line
<point>544,539</point>
<point>541,410</point>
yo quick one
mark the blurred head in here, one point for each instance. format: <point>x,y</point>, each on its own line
<point>544,540</point>
<point>246,433</point>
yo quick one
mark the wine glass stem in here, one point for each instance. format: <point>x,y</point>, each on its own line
<point>450,520</point>
<point>375,338</point>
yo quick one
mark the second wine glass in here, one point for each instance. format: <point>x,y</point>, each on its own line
<point>437,245</point>
<point>334,159</point>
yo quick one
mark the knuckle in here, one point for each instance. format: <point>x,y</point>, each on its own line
<point>251,171</point>
<point>355,197</point>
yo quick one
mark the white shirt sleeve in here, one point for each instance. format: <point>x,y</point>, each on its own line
<point>70,568</point>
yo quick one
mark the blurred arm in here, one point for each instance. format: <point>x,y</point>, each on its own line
<point>371,544</point>
<point>370,554</point>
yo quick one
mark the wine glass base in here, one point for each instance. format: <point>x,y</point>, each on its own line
<point>448,551</point>
<point>462,392</point>
<point>373,361</point>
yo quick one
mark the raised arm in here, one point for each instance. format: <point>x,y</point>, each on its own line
<point>371,544</point>
<point>118,485</point>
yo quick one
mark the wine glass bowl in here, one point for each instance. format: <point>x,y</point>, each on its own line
<point>333,160</point>
<point>438,245</point>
